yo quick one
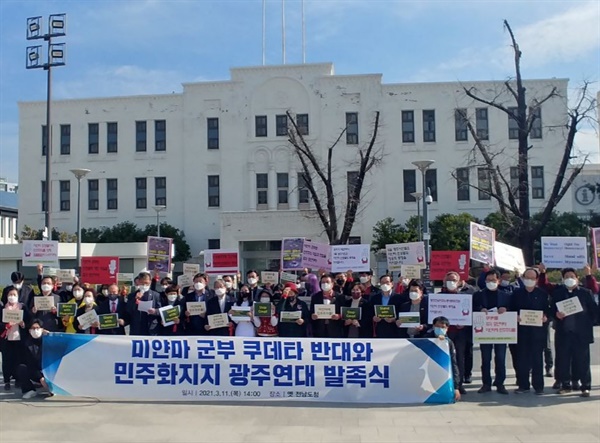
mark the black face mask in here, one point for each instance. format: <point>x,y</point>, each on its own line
<point>340,282</point>
<point>113,297</point>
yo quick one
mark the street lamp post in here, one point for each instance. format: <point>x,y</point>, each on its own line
<point>417,196</point>
<point>423,165</point>
<point>158,209</point>
<point>57,26</point>
<point>79,173</point>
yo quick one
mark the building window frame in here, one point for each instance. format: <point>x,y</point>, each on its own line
<point>482,123</point>
<point>160,191</point>
<point>141,136</point>
<point>93,194</point>
<point>112,137</point>
<point>160,135</point>
<point>537,182</point>
<point>484,181</point>
<point>281,125</point>
<point>65,139</point>
<point>212,133</point>
<point>93,138</point>
<point>262,190</point>
<point>408,126</point>
<point>352,128</point>
<point>214,192</point>
<point>461,132</point>
<point>429,125</point>
<point>112,194</point>
<point>302,122</point>
<point>141,193</point>
<point>463,188</point>
<point>65,195</point>
<point>261,126</point>
<point>283,189</point>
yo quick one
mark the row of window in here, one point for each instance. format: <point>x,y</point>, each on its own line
<point>112,137</point>
<point>112,188</point>
<point>261,127</point>
<point>461,130</point>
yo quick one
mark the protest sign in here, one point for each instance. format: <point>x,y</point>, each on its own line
<point>43,303</point>
<point>191,269</point>
<point>65,275</point>
<point>569,306</point>
<point>404,254</point>
<point>196,307</point>
<point>596,245</point>
<point>88,319</point>
<point>411,271</point>
<point>240,313</point>
<point>101,270</point>
<point>409,319</point>
<point>218,321</point>
<point>531,318</point>
<point>481,243</point>
<point>169,314</point>
<point>564,252</point>
<point>159,254</point>
<point>124,278</point>
<point>494,328</point>
<point>290,316</point>
<point>145,306</point>
<point>288,277</point>
<point>324,312</point>
<point>291,254</point>
<point>269,277</point>
<point>316,256</point>
<point>388,311</point>
<point>457,308</point>
<point>351,313</point>
<point>44,252</point>
<point>221,261</point>
<point>67,309</point>
<point>185,280</point>
<point>108,321</point>
<point>12,316</point>
<point>262,309</point>
<point>444,261</point>
<point>350,257</point>
<point>508,257</point>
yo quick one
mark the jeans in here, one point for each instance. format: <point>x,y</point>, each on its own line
<point>499,364</point>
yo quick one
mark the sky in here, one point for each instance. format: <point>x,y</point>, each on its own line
<point>130,47</point>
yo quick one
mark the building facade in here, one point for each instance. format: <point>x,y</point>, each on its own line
<point>9,214</point>
<point>217,155</point>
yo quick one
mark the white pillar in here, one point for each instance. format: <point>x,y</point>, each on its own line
<point>293,189</point>
<point>251,187</point>
<point>272,193</point>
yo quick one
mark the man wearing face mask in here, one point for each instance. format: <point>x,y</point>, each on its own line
<point>195,324</point>
<point>343,283</point>
<point>333,327</point>
<point>49,319</point>
<point>440,331</point>
<point>419,303</point>
<point>219,305</point>
<point>384,327</point>
<point>25,291</point>
<point>57,287</point>
<point>30,370</point>
<point>575,332</point>
<point>252,281</point>
<point>366,280</point>
<point>491,299</point>
<point>142,322</point>
<point>228,280</point>
<point>114,304</point>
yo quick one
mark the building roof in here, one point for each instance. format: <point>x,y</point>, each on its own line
<point>9,200</point>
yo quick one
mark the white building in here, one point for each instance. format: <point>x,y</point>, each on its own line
<point>217,154</point>
<point>9,205</point>
<point>586,191</point>
<point>6,186</point>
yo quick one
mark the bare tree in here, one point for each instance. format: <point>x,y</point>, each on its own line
<point>319,179</point>
<point>515,203</point>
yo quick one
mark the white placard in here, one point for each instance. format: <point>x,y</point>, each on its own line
<point>494,328</point>
<point>145,306</point>
<point>125,277</point>
<point>196,307</point>
<point>240,313</point>
<point>43,303</point>
<point>324,312</point>
<point>411,271</point>
<point>191,268</point>
<point>508,257</point>
<point>288,277</point>
<point>350,257</point>
<point>65,275</point>
<point>269,277</point>
<point>218,321</point>
<point>185,280</point>
<point>569,306</point>
<point>405,254</point>
<point>457,308</point>
<point>290,316</point>
<point>531,318</point>
<point>564,252</point>
<point>12,316</point>
<point>43,252</point>
<point>86,320</point>
<point>406,317</point>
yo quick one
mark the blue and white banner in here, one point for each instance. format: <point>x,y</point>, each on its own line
<point>242,369</point>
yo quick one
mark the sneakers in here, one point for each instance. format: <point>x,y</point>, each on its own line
<point>484,389</point>
<point>521,391</point>
<point>29,394</point>
<point>585,393</point>
<point>501,390</point>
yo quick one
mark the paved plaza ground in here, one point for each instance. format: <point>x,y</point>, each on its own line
<point>487,417</point>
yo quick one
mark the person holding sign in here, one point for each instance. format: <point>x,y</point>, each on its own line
<point>88,305</point>
<point>115,305</point>
<point>574,311</point>
<point>491,299</point>
<point>44,308</point>
<point>266,324</point>
<point>243,328</point>
<point>12,332</point>
<point>533,308</point>
<point>195,323</point>
<point>356,323</point>
<point>325,311</point>
<point>142,307</point>
<point>73,302</point>
<point>419,305</point>
<point>384,327</point>
<point>293,313</point>
<point>216,306</point>
<point>170,299</point>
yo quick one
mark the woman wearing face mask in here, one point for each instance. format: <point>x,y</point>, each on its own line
<point>419,303</point>
<point>102,294</point>
<point>332,327</point>
<point>266,326</point>
<point>49,318</point>
<point>77,297</point>
<point>11,337</point>
<point>244,328</point>
<point>30,370</point>
<point>170,297</point>
<point>362,328</point>
<point>291,303</point>
<point>88,304</point>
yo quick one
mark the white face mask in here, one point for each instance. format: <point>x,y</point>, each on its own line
<point>12,299</point>
<point>69,287</point>
<point>265,300</point>
<point>89,301</point>
<point>326,287</point>
<point>405,281</point>
<point>491,285</point>
<point>105,292</point>
<point>451,285</point>
<point>228,284</point>
<point>220,291</point>
<point>46,288</point>
<point>386,287</point>
<point>199,286</point>
<point>164,287</point>
<point>363,280</point>
<point>36,333</point>
<point>78,294</point>
<point>18,286</point>
<point>570,282</point>
<point>172,298</point>
<point>414,295</point>
<point>144,288</point>
<point>529,283</point>
<point>504,283</point>
<point>252,281</point>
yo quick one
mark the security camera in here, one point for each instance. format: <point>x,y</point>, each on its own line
<point>429,199</point>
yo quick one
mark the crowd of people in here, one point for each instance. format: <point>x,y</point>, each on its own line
<point>495,290</point>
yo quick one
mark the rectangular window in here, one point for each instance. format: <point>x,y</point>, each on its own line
<point>351,178</point>
<point>429,126</point>
<point>303,193</point>
<point>141,189</point>
<point>213,191</point>
<point>212,131</point>
<point>514,180</point>
<point>43,196</point>
<point>410,184</point>
<point>140,136</point>
<point>281,125</point>
<point>302,123</point>
<point>460,125</point>
<point>513,125</point>
<point>537,182</point>
<point>536,126</point>
<point>482,123</point>
<point>93,197</point>
<point>408,126</point>
<point>112,193</point>
<point>214,243</point>
<point>160,135</point>
<point>160,191</point>
<point>462,184</point>
<point>44,140</point>
<point>352,128</point>
<point>112,136</point>
<point>65,195</point>
<point>282,188</point>
<point>65,139</point>
<point>484,183</point>
<point>431,183</point>
<point>260,126</point>
<point>262,188</point>
<point>93,141</point>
